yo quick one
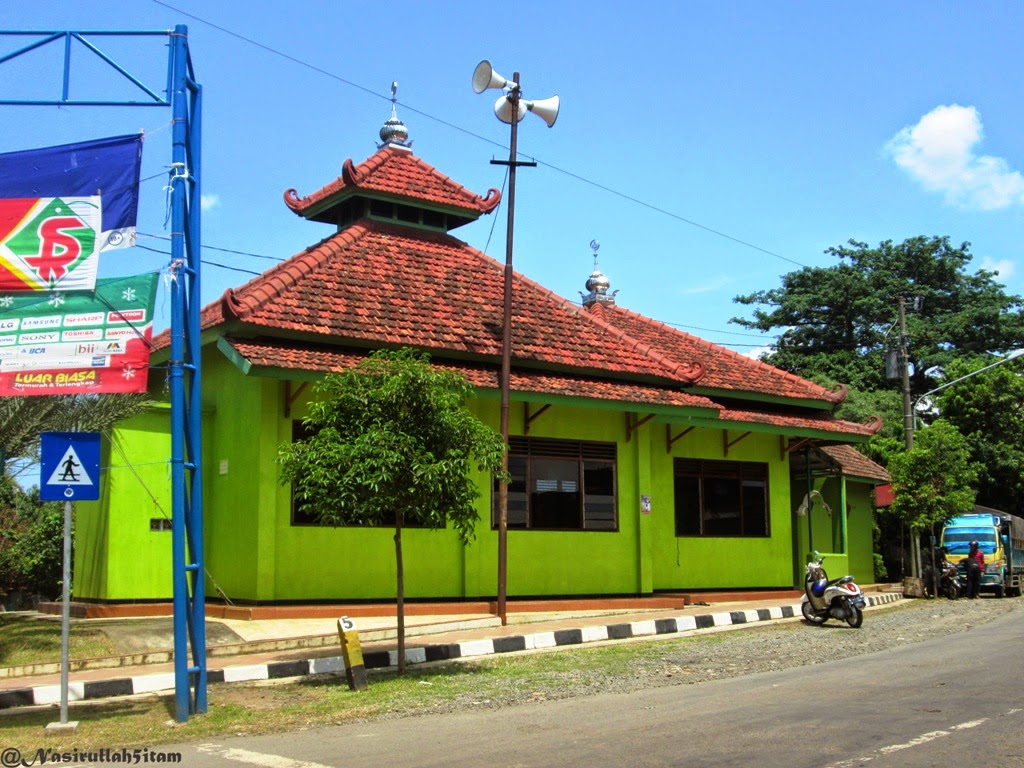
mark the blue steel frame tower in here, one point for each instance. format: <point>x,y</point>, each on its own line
<point>184,97</point>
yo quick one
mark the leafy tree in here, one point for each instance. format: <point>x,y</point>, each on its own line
<point>391,442</point>
<point>933,481</point>
<point>988,411</point>
<point>31,542</point>
<point>837,321</point>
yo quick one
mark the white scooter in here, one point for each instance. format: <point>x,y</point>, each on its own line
<point>823,599</point>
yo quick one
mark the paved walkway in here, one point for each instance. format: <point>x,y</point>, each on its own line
<point>278,648</point>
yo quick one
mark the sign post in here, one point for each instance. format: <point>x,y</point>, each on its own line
<point>70,469</point>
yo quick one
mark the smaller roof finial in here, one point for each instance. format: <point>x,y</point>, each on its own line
<point>597,284</point>
<point>394,131</point>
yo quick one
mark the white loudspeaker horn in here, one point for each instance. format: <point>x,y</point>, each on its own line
<point>503,109</point>
<point>485,77</point>
<point>545,109</point>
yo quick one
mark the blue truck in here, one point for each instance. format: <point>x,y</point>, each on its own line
<point>1000,537</point>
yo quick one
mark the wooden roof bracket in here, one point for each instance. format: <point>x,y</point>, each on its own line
<point>784,450</point>
<point>529,417</point>
<point>669,440</point>
<point>634,422</point>
<point>290,397</point>
<point>726,444</point>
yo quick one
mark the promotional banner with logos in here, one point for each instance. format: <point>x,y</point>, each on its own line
<point>108,168</point>
<point>75,343</point>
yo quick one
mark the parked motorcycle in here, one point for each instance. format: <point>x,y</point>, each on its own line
<point>951,583</point>
<point>840,599</point>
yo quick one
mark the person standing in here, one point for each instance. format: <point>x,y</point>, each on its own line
<point>975,564</point>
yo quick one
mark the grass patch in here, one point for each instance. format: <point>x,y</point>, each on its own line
<point>31,639</point>
<point>266,707</point>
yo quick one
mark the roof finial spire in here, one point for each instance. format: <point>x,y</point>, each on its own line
<point>597,284</point>
<point>394,131</point>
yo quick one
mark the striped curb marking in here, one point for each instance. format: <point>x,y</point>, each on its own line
<point>127,686</point>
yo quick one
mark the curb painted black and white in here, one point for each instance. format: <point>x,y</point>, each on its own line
<point>129,686</point>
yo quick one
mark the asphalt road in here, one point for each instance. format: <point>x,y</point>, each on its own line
<point>953,700</point>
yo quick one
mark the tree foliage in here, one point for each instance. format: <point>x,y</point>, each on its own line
<point>988,409</point>
<point>388,438</point>
<point>31,543</point>
<point>933,481</point>
<point>835,322</point>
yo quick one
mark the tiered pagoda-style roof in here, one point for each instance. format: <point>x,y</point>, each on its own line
<point>393,276</point>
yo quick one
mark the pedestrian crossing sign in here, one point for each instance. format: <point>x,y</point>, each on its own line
<point>70,466</point>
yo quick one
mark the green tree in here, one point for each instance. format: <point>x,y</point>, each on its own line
<point>835,322</point>
<point>31,542</point>
<point>988,411</point>
<point>935,480</point>
<point>391,442</point>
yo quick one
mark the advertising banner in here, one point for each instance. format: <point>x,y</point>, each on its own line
<point>73,343</point>
<point>108,168</point>
<point>49,243</point>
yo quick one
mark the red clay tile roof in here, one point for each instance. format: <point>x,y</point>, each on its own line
<point>396,171</point>
<point>808,421</point>
<point>286,354</point>
<point>726,370</point>
<point>383,284</point>
<point>854,463</point>
<point>375,285</point>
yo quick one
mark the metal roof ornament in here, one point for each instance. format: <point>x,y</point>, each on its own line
<point>394,132</point>
<point>597,284</point>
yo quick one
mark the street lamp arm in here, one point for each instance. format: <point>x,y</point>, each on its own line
<point>1012,356</point>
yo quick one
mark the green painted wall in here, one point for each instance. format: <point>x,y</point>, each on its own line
<point>720,562</point>
<point>117,555</point>
<point>254,554</point>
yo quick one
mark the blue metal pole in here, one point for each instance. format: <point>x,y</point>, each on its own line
<point>195,402</point>
<point>176,373</point>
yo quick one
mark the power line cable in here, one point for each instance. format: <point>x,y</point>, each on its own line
<point>576,176</point>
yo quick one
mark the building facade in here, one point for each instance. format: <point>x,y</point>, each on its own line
<point>644,459</point>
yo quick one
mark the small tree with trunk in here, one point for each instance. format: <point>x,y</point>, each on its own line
<point>935,480</point>
<point>390,441</point>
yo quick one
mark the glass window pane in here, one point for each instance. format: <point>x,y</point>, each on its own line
<point>554,497</point>
<point>599,496</point>
<point>722,507</point>
<point>687,506</point>
<point>755,508</point>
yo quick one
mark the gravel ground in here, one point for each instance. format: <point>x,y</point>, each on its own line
<point>796,644</point>
<point>724,654</point>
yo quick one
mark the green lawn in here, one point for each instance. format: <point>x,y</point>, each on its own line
<point>31,639</point>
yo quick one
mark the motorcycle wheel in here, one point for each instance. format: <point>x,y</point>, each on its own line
<point>854,615</point>
<point>810,615</point>
<point>951,591</point>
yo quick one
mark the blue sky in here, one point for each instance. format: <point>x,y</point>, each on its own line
<point>710,147</point>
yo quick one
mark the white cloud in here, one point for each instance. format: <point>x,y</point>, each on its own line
<point>756,352</point>
<point>206,202</point>
<point>939,152</point>
<point>1004,267</point>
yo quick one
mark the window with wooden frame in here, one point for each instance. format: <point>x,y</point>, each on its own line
<point>560,485</point>
<point>721,498</point>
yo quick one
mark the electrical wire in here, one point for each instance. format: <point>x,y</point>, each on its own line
<point>434,118</point>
